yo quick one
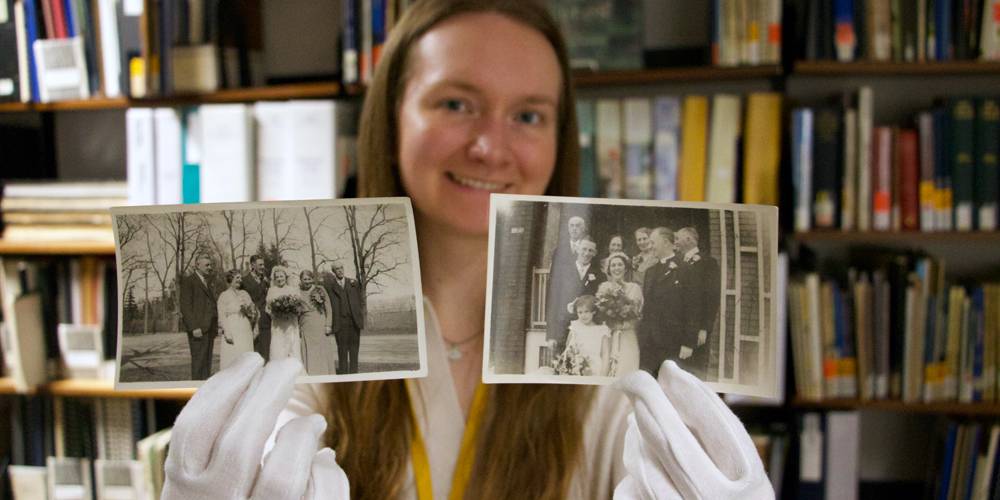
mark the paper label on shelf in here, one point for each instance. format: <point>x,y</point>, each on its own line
<point>6,85</point>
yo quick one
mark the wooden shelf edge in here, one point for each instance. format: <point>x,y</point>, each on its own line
<point>57,248</point>
<point>651,76</point>
<point>835,68</point>
<point>949,408</point>
<point>95,389</point>
<point>7,385</point>
<point>898,237</point>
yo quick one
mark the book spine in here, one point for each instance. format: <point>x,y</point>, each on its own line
<point>109,52</point>
<point>910,170</point>
<point>722,151</point>
<point>350,62</point>
<point>845,39</point>
<point>588,159</point>
<point>609,147</point>
<point>977,329</point>
<point>638,139</point>
<point>774,28</point>
<point>762,148</point>
<point>167,147</point>
<point>666,145</point>
<point>802,136</point>
<point>963,126</point>
<point>849,184</point>
<point>865,126</point>
<point>190,155</point>
<point>228,168</point>
<point>140,156</point>
<point>827,166</point>
<point>928,215</point>
<point>31,21</point>
<point>942,26</point>
<point>367,40</point>
<point>987,168</point>
<point>921,30</point>
<point>989,45</point>
<point>882,180</point>
<point>691,180</point>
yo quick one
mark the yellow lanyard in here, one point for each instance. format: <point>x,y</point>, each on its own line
<point>421,466</point>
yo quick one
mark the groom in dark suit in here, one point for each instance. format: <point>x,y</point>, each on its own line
<point>701,289</point>
<point>256,284</point>
<point>200,316</point>
<point>566,283</point>
<point>662,327</point>
<point>348,317</point>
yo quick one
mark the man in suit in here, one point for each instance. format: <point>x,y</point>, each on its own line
<point>662,326</point>
<point>348,318</point>
<point>200,316</point>
<point>701,290</point>
<point>256,284</point>
<point>565,285</point>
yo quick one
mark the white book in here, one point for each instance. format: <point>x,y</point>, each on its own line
<point>866,102</point>
<point>75,292</point>
<point>638,138</point>
<point>228,168</point>
<point>21,35</point>
<point>843,453</point>
<point>68,478</point>
<point>666,146</point>
<point>317,127</point>
<point>110,52</point>
<point>120,480</point>
<point>61,69</point>
<point>82,349</point>
<point>984,466</point>
<point>28,482</point>
<point>21,333</point>
<point>815,331</point>
<point>167,126</point>
<point>724,139</point>
<point>275,174</point>
<point>848,204</point>
<point>990,42</point>
<point>802,146</point>
<point>140,156</point>
<point>609,147</point>
<point>928,212</point>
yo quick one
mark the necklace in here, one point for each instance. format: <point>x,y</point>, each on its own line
<point>453,351</point>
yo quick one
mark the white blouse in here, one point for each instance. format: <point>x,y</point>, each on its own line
<point>442,425</point>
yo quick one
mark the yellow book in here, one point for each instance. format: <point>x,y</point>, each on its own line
<point>694,131</point>
<point>762,148</point>
<point>954,347</point>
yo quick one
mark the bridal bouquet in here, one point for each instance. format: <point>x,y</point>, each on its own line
<point>572,362</point>
<point>617,307</point>
<point>287,307</point>
<point>250,312</point>
<point>316,298</point>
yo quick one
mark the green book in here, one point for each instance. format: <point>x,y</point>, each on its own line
<point>987,170</point>
<point>588,155</point>
<point>963,150</point>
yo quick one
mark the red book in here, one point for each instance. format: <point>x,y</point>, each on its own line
<point>50,28</point>
<point>882,179</point>
<point>59,18</point>
<point>909,165</point>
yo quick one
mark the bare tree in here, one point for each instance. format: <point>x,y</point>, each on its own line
<point>130,234</point>
<point>314,223</point>
<point>283,239</point>
<point>167,242</point>
<point>378,246</point>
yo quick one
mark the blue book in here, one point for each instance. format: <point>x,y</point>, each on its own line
<point>845,39</point>
<point>977,326</point>
<point>942,29</point>
<point>190,156</point>
<point>588,155</point>
<point>949,460</point>
<point>971,457</point>
<point>71,15</point>
<point>666,146</point>
<point>31,19</point>
<point>942,167</point>
<point>349,64</point>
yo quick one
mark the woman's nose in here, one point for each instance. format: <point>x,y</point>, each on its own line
<point>490,141</point>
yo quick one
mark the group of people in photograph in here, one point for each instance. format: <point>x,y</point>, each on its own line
<point>612,315</point>
<point>318,321</point>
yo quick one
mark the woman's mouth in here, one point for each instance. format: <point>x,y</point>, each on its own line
<point>475,184</point>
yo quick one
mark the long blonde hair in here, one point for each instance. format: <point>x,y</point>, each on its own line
<point>531,438</point>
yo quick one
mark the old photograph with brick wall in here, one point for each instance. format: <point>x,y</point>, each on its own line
<point>585,291</point>
<point>332,283</point>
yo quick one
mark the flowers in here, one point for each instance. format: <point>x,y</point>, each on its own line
<point>572,362</point>
<point>617,307</point>
<point>250,312</point>
<point>316,298</point>
<point>287,307</point>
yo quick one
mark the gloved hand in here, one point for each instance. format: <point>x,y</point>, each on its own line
<point>218,439</point>
<point>684,442</point>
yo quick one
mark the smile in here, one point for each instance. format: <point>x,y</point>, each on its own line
<point>474,184</point>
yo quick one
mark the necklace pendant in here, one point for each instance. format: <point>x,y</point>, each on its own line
<point>454,354</point>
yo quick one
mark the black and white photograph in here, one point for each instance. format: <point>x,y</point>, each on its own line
<point>585,291</point>
<point>333,283</point>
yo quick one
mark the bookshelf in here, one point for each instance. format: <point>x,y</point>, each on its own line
<point>908,237</point>
<point>95,389</point>
<point>888,405</point>
<point>57,248</point>
<point>876,68</point>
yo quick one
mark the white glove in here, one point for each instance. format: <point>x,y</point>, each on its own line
<point>684,442</point>
<point>218,439</point>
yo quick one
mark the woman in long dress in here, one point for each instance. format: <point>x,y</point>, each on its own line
<point>316,324</point>
<point>624,343</point>
<point>285,337</point>
<point>238,333</point>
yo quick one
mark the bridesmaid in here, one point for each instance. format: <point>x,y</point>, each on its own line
<point>315,325</point>
<point>235,325</point>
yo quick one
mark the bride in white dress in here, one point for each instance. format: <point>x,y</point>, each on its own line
<point>624,343</point>
<point>285,337</point>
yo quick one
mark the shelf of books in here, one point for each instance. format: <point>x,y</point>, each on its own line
<point>95,389</point>
<point>944,408</point>
<point>890,237</point>
<point>652,76</point>
<point>876,68</point>
<point>56,248</point>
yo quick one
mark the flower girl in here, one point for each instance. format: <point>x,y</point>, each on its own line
<point>587,341</point>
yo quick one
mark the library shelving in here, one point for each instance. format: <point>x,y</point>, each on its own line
<point>95,389</point>
<point>891,405</point>
<point>67,248</point>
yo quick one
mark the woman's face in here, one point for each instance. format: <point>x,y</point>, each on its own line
<point>279,279</point>
<point>615,245</point>
<point>479,115</point>
<point>585,314</point>
<point>642,241</point>
<point>237,281</point>
<point>616,269</point>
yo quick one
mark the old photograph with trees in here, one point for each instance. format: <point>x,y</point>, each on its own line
<point>333,283</point>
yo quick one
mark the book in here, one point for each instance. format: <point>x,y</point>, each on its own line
<point>65,189</point>
<point>350,41</point>
<point>989,45</point>
<point>865,133</point>
<point>111,61</point>
<point>908,166</point>
<point>882,180</point>
<point>812,453</point>
<point>190,155</point>
<point>275,172</point>
<point>140,156</point>
<point>848,197</point>
<point>588,156</point>
<point>320,165</point>
<point>986,195</point>
<point>167,147</point>
<point>802,137</point>
<point>228,167</point>
<point>132,74</point>
<point>942,164</point>
<point>843,455</point>
<point>845,40</point>
<point>724,142</point>
<point>762,148</point>
<point>23,333</point>
<point>666,146</point>
<point>10,63</point>
<point>638,144</point>
<point>963,126</point>
<point>694,131</point>
<point>609,147</point>
<point>61,69</point>
<point>928,215</point>
<point>827,166</point>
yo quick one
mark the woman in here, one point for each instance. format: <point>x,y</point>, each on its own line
<point>624,344</point>
<point>615,245</point>
<point>285,337</point>
<point>645,258</point>
<point>469,97</point>
<point>237,320</point>
<point>315,325</point>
